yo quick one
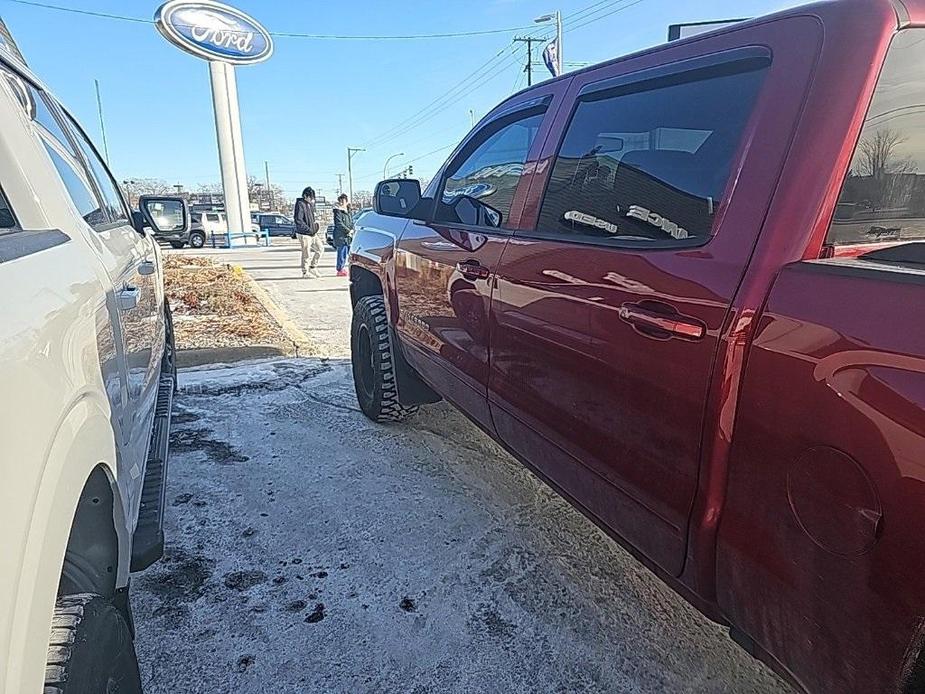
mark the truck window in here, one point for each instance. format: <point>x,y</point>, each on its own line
<point>650,165</point>
<point>490,174</point>
<point>7,220</point>
<point>882,202</point>
<point>79,190</point>
<point>42,114</point>
<point>115,204</point>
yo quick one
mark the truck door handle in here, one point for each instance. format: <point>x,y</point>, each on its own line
<point>473,270</point>
<point>662,324</point>
<point>128,298</point>
<point>146,267</point>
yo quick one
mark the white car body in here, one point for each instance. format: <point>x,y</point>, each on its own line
<point>81,345</point>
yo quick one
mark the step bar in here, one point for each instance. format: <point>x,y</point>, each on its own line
<point>148,541</point>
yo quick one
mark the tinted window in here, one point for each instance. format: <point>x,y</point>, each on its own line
<point>650,165</point>
<point>7,220</point>
<point>883,198</point>
<point>82,196</point>
<point>42,114</point>
<point>115,206</point>
<point>479,190</point>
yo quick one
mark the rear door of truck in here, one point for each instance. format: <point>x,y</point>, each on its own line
<point>821,552</point>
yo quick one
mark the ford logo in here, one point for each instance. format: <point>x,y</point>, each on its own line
<point>214,31</point>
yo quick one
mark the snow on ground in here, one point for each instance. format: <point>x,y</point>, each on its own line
<point>309,550</point>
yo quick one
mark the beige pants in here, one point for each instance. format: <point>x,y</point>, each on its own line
<point>312,248</point>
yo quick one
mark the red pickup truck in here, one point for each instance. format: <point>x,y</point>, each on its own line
<point>687,288</point>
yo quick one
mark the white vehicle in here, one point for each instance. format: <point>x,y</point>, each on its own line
<point>87,377</point>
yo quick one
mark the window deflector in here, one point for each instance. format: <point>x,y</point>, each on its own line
<point>731,61</point>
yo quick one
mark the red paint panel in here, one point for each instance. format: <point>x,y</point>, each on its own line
<point>822,541</point>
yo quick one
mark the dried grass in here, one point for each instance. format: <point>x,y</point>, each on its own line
<point>214,307</point>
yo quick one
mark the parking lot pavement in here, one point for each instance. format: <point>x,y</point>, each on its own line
<point>320,307</point>
<point>310,550</point>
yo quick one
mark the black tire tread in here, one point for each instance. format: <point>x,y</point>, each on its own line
<point>69,612</point>
<point>69,637</point>
<point>387,407</point>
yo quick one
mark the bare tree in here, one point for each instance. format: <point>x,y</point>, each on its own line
<point>136,187</point>
<point>877,155</point>
<point>885,172</point>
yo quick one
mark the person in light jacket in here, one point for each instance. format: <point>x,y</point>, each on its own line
<point>343,233</point>
<point>306,228</point>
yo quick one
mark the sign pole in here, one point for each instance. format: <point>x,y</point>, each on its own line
<point>230,147</point>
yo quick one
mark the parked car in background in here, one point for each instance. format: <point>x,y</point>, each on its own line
<point>274,224</point>
<point>329,235</point>
<point>634,277</point>
<point>87,373</point>
<point>195,236</point>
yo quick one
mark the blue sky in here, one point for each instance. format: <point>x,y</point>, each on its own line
<point>313,98</point>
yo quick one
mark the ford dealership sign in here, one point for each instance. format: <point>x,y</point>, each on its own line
<point>214,31</point>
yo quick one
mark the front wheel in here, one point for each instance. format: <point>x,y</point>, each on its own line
<point>197,240</point>
<point>91,649</point>
<point>374,363</point>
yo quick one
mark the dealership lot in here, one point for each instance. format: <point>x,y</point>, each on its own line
<point>310,550</point>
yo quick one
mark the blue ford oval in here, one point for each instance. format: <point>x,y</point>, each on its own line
<point>214,31</point>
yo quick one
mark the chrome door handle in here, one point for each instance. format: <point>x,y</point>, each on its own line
<point>128,298</point>
<point>662,325</point>
<point>473,270</point>
<point>146,268</point>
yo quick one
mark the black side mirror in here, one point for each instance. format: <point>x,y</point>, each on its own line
<point>162,214</point>
<point>475,212</point>
<point>400,197</point>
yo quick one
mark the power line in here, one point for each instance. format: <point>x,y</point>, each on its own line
<point>599,17</point>
<point>280,34</point>
<point>439,104</point>
<point>90,13</point>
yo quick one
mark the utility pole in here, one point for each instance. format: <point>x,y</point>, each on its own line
<point>340,184</point>
<point>351,151</point>
<point>266,169</point>
<point>529,40</point>
<point>99,108</point>
<point>179,187</point>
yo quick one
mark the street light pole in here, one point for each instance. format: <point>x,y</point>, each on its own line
<point>557,17</point>
<point>559,40</point>
<point>385,168</point>
<point>350,152</point>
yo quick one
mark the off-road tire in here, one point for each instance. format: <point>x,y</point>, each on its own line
<point>177,244</point>
<point>374,363</point>
<point>91,649</point>
<point>197,239</point>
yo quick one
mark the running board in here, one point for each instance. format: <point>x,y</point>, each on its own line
<point>148,541</point>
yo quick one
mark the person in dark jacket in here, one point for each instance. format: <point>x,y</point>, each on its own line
<point>343,232</point>
<point>306,227</point>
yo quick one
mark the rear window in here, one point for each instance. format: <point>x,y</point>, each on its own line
<point>882,202</point>
<point>651,165</point>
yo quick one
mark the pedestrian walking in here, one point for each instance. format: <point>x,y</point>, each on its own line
<point>343,232</point>
<point>306,227</point>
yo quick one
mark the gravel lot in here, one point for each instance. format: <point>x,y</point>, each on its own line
<point>313,551</point>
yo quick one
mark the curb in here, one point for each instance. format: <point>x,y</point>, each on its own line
<point>188,358</point>
<point>302,345</point>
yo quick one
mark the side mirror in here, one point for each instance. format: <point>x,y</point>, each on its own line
<point>475,213</point>
<point>163,214</point>
<point>400,197</point>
